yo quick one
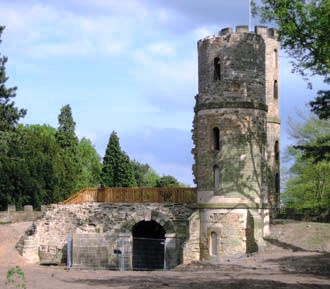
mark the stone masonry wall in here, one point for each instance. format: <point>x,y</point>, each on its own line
<point>99,228</point>
<point>13,216</point>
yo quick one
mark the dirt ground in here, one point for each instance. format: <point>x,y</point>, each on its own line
<point>282,265</point>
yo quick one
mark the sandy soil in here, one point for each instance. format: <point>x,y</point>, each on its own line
<point>278,267</point>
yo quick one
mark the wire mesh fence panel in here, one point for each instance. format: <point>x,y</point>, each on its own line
<point>148,254</point>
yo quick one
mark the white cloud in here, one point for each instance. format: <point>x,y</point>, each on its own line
<point>161,49</point>
<point>203,31</point>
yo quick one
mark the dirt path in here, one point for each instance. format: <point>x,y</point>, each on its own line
<point>278,268</point>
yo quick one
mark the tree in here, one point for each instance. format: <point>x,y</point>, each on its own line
<point>68,141</point>
<point>117,170</point>
<point>111,160</point>
<point>144,175</point>
<point>31,169</point>
<point>304,29</point>
<point>308,185</point>
<point>124,172</point>
<point>9,114</point>
<point>321,105</point>
<point>66,130</point>
<point>167,182</point>
<point>91,165</point>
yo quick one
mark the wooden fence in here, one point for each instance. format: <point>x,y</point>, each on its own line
<point>134,195</point>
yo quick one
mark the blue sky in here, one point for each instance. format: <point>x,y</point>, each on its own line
<point>128,66</point>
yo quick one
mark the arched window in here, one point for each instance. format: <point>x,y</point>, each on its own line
<point>277,151</point>
<point>277,183</point>
<point>217,69</point>
<point>216,138</point>
<point>214,242</point>
<point>216,177</point>
<point>275,58</point>
<point>275,89</point>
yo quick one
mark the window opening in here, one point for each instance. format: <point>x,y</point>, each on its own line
<point>277,183</point>
<point>217,69</point>
<point>277,151</point>
<point>214,242</point>
<point>275,58</point>
<point>216,177</point>
<point>275,89</point>
<point>216,138</point>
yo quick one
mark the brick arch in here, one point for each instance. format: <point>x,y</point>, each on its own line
<point>149,215</point>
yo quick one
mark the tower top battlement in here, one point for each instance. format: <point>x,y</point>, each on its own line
<point>263,31</point>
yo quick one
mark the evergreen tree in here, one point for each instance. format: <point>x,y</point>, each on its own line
<point>111,160</point>
<point>117,170</point>
<point>68,141</point>
<point>321,105</point>
<point>125,173</point>
<point>66,130</point>
<point>30,171</point>
<point>9,114</point>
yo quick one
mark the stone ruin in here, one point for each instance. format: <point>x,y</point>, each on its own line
<point>236,132</point>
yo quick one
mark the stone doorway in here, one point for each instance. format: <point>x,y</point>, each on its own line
<point>148,246</point>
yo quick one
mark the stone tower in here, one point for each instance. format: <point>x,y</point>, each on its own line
<point>236,138</point>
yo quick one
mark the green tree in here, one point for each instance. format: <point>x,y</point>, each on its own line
<point>66,131</point>
<point>9,114</point>
<point>304,29</point>
<point>68,141</point>
<point>321,105</point>
<point>167,182</point>
<point>111,160</point>
<point>91,165</point>
<point>31,169</point>
<point>125,174</point>
<point>117,170</point>
<point>144,175</point>
<point>308,185</point>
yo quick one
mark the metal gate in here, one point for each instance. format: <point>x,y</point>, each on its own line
<point>149,254</point>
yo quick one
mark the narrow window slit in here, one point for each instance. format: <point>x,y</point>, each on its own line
<point>216,177</point>
<point>216,138</point>
<point>275,89</point>
<point>217,69</point>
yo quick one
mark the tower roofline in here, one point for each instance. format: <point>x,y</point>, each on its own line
<point>263,31</point>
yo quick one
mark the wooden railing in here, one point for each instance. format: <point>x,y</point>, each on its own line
<point>133,195</point>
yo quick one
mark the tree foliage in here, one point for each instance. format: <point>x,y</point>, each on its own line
<point>91,166</point>
<point>30,169</point>
<point>9,114</point>
<point>304,29</point>
<point>309,183</point>
<point>144,175</point>
<point>68,141</point>
<point>117,170</point>
<point>167,182</point>
<point>321,105</point>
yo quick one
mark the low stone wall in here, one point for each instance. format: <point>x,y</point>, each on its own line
<point>13,216</point>
<point>98,229</point>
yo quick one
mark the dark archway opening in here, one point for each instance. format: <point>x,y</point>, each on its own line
<point>148,246</point>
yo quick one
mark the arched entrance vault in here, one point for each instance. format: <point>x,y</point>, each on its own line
<point>148,246</point>
<point>150,241</point>
<point>148,215</point>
